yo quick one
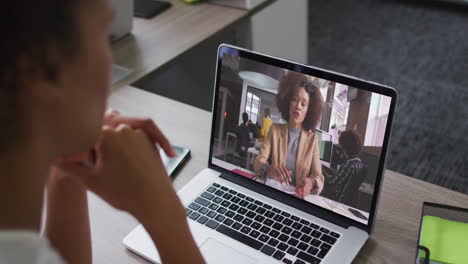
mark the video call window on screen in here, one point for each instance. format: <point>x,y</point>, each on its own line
<point>332,164</point>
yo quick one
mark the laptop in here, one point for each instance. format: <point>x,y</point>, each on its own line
<point>238,215</point>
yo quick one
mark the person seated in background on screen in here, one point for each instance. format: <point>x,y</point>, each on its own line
<point>290,152</point>
<point>243,133</point>
<point>54,82</point>
<point>351,172</point>
<point>266,124</point>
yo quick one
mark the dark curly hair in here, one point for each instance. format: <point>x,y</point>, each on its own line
<point>351,142</point>
<point>37,36</point>
<point>287,86</point>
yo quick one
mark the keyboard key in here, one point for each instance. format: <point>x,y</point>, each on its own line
<point>211,189</point>
<point>238,217</point>
<point>296,226</point>
<point>265,229</point>
<point>219,193</point>
<point>302,246</point>
<point>305,222</point>
<point>267,250</point>
<point>212,224</point>
<point>306,230</point>
<point>287,261</point>
<point>260,210</point>
<point>242,211</point>
<point>257,202</point>
<point>273,242</point>
<point>247,221</point>
<point>230,213</point>
<point>296,234</point>
<point>306,238</point>
<point>235,199</point>
<point>194,215</point>
<point>225,203</point>
<point>213,206</point>
<point>202,219</point>
<point>285,214</point>
<point>211,214</point>
<point>324,248</point>
<point>194,206</point>
<point>316,234</point>
<point>256,226</point>
<point>216,185</point>
<point>236,226</point>
<point>245,229</point>
<point>276,210</point>
<point>274,233</point>
<point>324,230</point>
<point>254,234</point>
<point>207,196</point>
<point>217,200</point>
<point>252,207</point>
<point>299,261</point>
<point>277,226</point>
<point>251,214</point>
<point>293,242</point>
<point>269,214</point>
<point>266,206</point>
<point>249,199</point>
<point>221,210</point>
<point>187,211</point>
<point>283,237</point>
<point>313,251</point>
<point>322,253</point>
<point>279,255</point>
<point>282,246</point>
<point>232,192</point>
<point>240,237</point>
<point>259,218</point>
<point>224,188</point>
<point>263,238</point>
<point>268,222</point>
<point>278,218</point>
<point>228,222</point>
<point>286,230</point>
<point>244,203</point>
<point>335,235</point>
<point>295,218</point>
<point>287,222</point>
<point>241,195</point>
<point>308,258</point>
<point>203,210</point>
<point>219,218</point>
<point>328,239</point>
<point>314,226</point>
<point>315,242</point>
<point>292,251</point>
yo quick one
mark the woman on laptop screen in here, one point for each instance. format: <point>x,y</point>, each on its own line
<point>289,156</point>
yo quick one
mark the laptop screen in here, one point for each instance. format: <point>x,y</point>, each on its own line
<point>313,138</point>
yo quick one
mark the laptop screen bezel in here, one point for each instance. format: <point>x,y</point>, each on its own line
<point>320,73</point>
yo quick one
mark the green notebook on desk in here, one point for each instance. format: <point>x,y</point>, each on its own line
<point>446,240</point>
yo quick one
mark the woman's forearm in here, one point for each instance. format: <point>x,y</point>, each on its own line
<point>67,224</point>
<point>172,237</point>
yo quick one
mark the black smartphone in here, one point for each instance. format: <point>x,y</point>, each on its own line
<point>149,8</point>
<point>173,164</point>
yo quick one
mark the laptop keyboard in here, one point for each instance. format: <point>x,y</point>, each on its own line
<point>274,232</point>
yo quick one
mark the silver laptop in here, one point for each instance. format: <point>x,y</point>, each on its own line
<point>238,215</point>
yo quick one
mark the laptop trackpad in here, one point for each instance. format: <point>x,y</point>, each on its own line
<point>216,252</point>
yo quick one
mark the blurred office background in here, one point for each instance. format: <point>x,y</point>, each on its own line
<point>418,47</point>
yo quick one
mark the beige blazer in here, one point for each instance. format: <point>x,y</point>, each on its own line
<point>308,155</point>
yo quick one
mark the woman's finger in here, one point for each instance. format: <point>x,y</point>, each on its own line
<point>148,126</point>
